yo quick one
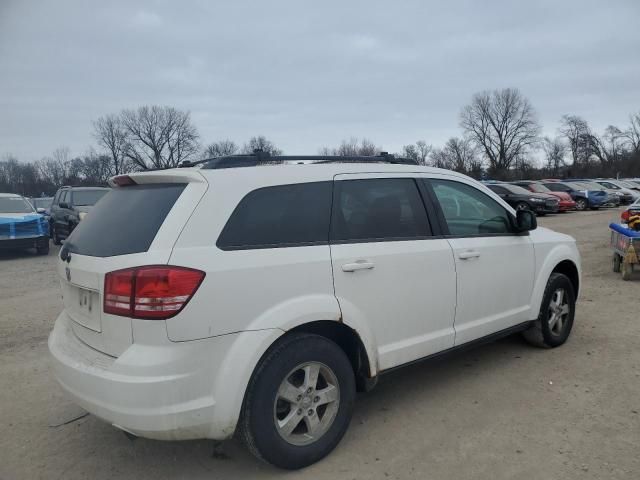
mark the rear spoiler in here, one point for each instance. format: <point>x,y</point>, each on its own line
<point>157,176</point>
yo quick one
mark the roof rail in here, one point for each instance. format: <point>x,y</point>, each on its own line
<point>260,157</point>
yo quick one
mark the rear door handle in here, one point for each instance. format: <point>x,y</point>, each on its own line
<point>469,254</point>
<point>358,265</point>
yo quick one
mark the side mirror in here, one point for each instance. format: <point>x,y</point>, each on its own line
<point>63,205</point>
<point>525,221</point>
<point>41,210</point>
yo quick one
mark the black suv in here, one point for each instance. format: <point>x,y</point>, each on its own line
<point>522,199</point>
<point>69,207</point>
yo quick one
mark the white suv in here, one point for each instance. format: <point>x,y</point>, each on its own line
<point>256,295</point>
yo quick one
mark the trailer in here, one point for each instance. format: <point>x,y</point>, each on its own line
<point>625,244</point>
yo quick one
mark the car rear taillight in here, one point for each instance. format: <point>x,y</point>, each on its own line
<point>154,292</point>
<point>625,216</point>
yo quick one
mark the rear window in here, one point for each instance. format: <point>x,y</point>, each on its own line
<point>280,216</point>
<point>124,221</point>
<point>87,198</point>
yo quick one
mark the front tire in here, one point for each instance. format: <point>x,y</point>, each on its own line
<point>581,204</point>
<point>299,401</point>
<point>555,320</point>
<point>54,236</point>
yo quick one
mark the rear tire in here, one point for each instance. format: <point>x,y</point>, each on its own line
<point>43,249</point>
<point>285,408</point>
<point>557,311</point>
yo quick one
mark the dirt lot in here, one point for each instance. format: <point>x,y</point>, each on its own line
<point>503,410</point>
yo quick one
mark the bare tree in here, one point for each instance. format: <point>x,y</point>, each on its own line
<point>582,142</point>
<point>459,154</point>
<point>632,133</point>
<point>111,135</point>
<point>353,148</point>
<point>261,143</point>
<point>610,147</point>
<point>555,150</point>
<point>93,169</point>
<point>159,137</point>
<point>503,124</point>
<point>56,168</point>
<point>220,149</point>
<point>418,151</point>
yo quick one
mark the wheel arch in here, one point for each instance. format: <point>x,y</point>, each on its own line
<point>560,259</point>
<point>350,342</point>
<point>568,268</point>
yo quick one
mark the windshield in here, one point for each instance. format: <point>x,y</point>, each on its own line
<point>87,198</point>
<point>15,205</point>
<point>538,188</point>
<point>42,202</point>
<point>517,189</point>
<point>593,186</point>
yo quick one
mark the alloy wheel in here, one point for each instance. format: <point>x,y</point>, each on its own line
<point>558,311</point>
<point>306,403</point>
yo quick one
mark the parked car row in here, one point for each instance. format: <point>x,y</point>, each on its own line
<point>30,223</point>
<point>555,195</point>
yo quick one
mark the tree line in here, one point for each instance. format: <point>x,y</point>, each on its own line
<point>500,139</point>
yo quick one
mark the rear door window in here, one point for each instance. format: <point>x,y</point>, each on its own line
<point>280,216</point>
<point>125,221</point>
<point>380,209</point>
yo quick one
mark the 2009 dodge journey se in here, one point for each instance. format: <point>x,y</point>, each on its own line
<point>254,295</point>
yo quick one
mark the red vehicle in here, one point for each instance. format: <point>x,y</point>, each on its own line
<point>566,202</point>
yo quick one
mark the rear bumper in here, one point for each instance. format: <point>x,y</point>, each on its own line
<point>24,242</point>
<point>164,392</point>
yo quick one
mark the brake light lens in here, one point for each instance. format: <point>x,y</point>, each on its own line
<point>153,292</point>
<point>625,216</point>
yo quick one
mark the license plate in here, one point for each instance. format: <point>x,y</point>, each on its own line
<point>85,301</point>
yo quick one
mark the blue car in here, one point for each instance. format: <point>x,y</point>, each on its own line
<point>21,225</point>
<point>583,197</point>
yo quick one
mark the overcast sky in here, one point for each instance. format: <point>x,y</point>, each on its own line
<point>308,74</point>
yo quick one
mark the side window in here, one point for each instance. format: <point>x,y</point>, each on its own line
<point>279,216</point>
<point>378,209</point>
<point>56,198</point>
<point>63,196</point>
<point>468,211</point>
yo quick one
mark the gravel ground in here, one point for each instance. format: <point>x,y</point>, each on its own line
<point>503,410</point>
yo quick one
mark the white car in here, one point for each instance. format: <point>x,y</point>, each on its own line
<point>260,293</point>
<point>627,191</point>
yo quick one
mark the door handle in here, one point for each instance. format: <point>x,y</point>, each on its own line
<point>468,254</point>
<point>358,265</point>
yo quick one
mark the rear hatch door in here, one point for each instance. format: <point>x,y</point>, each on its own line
<point>131,226</point>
